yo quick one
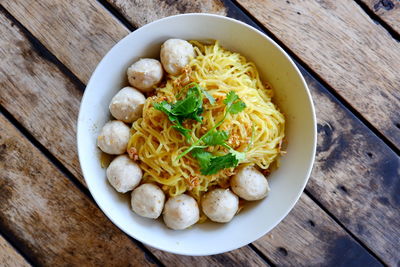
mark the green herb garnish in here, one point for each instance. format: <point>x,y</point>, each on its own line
<point>209,163</point>
<point>216,138</point>
<point>190,107</point>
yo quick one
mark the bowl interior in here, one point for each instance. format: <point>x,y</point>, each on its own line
<point>291,95</point>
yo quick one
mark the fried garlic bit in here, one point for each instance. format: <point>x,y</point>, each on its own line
<point>192,181</point>
<point>185,79</point>
<point>234,140</point>
<point>132,153</point>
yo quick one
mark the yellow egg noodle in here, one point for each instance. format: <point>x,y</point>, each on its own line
<point>219,71</point>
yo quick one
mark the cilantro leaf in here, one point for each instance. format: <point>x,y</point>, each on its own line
<point>176,120</point>
<point>237,107</point>
<point>184,131</point>
<point>203,157</point>
<point>233,103</point>
<point>240,156</point>
<point>230,98</point>
<point>186,106</point>
<point>196,115</point>
<point>191,107</point>
<point>210,164</point>
<point>191,104</point>
<point>166,108</point>
<point>163,106</point>
<point>203,91</point>
<point>218,163</point>
<point>213,137</point>
<point>209,97</point>
<point>216,138</point>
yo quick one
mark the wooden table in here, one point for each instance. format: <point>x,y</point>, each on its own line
<point>349,53</point>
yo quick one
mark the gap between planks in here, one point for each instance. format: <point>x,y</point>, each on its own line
<point>67,174</point>
<point>330,90</point>
<point>46,54</point>
<point>148,254</point>
<point>257,24</point>
<point>330,214</point>
<point>18,257</point>
<point>43,51</point>
<point>378,20</point>
<point>117,15</point>
<point>387,10</point>
<point>340,42</point>
<point>59,63</point>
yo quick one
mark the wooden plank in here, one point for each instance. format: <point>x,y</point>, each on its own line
<point>9,257</point>
<point>145,11</point>
<point>356,57</point>
<point>21,68</point>
<point>47,214</point>
<point>356,177</point>
<point>296,244</point>
<point>339,169</point>
<point>56,30</point>
<point>387,10</point>
<point>244,256</point>
<point>35,88</point>
<point>323,243</point>
<point>361,154</point>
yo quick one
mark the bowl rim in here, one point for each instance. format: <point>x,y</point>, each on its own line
<point>309,167</point>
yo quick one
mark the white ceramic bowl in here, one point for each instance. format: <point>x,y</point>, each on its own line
<point>291,95</point>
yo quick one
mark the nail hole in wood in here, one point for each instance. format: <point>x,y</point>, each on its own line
<point>386,4</point>
<point>298,13</point>
<point>283,251</point>
<point>311,222</point>
<point>343,188</point>
<point>369,154</point>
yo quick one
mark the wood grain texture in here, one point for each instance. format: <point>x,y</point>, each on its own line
<point>241,255</point>
<point>366,166</point>
<point>325,244</point>
<point>356,177</point>
<point>338,40</point>
<point>31,89</point>
<point>31,93</point>
<point>349,158</point>
<point>50,21</point>
<point>50,218</point>
<point>9,257</point>
<point>387,10</point>
<point>145,11</point>
<point>244,256</point>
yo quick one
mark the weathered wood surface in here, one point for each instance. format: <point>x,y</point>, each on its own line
<point>145,11</point>
<point>20,69</point>
<point>244,256</point>
<point>86,33</point>
<point>387,10</point>
<point>364,159</point>
<point>356,177</point>
<point>338,40</point>
<point>348,172</point>
<point>51,220</point>
<point>294,245</point>
<point>325,244</point>
<point>9,257</point>
<point>31,93</point>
